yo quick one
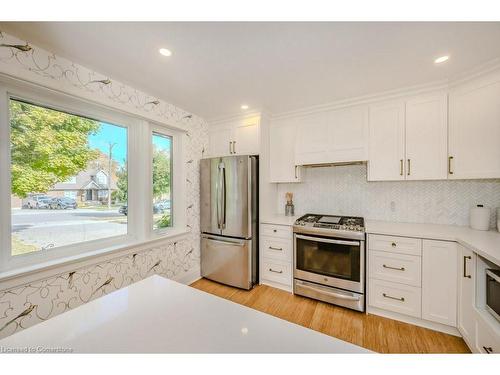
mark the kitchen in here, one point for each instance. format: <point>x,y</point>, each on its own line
<point>333,212</point>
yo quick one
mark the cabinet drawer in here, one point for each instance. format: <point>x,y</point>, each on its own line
<point>276,248</point>
<point>488,341</point>
<point>394,244</point>
<point>280,231</point>
<point>277,271</point>
<point>403,299</point>
<point>399,268</point>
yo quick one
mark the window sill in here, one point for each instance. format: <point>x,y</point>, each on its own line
<point>9,278</point>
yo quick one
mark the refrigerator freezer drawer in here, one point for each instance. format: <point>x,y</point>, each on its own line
<point>227,260</point>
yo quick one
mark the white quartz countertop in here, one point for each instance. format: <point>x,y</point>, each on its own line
<point>484,243</point>
<point>279,220</point>
<point>157,315</point>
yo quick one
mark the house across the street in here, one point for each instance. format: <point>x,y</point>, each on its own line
<point>90,186</point>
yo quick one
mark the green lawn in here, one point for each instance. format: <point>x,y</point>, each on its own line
<point>19,247</point>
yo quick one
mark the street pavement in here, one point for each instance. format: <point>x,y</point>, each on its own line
<point>54,228</point>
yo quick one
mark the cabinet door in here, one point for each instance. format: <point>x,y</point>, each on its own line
<point>427,138</point>
<point>386,142</point>
<point>474,130</point>
<point>311,146</point>
<point>282,166</point>
<point>439,282</point>
<point>467,295</point>
<point>348,133</point>
<point>219,142</point>
<point>246,138</point>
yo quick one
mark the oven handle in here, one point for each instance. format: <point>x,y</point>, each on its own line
<point>318,239</point>
<point>336,295</point>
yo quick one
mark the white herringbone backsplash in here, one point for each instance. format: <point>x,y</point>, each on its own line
<point>344,190</point>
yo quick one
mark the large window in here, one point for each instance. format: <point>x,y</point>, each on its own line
<point>162,180</point>
<point>51,149</point>
<point>79,179</point>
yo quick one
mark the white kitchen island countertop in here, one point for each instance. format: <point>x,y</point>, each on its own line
<point>157,315</point>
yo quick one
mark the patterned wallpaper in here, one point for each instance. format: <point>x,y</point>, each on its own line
<point>27,304</point>
<point>344,190</point>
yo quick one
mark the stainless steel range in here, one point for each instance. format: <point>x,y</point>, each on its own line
<point>329,259</point>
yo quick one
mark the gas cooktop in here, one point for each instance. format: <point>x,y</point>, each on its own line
<point>331,225</point>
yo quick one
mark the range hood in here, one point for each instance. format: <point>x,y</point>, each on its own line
<point>338,164</point>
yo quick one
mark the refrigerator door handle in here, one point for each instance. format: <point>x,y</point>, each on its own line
<point>217,194</point>
<point>223,196</point>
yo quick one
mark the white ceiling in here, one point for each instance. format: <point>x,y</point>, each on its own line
<point>216,67</point>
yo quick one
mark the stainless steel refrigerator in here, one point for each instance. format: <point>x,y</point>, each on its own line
<point>229,214</point>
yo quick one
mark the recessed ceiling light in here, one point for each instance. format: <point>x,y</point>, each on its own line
<point>244,106</point>
<point>441,59</point>
<point>165,52</point>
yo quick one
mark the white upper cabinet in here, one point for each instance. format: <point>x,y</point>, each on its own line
<point>282,136</point>
<point>219,142</point>
<point>408,139</point>
<point>426,138</point>
<point>386,142</point>
<point>246,137</point>
<point>335,136</point>
<point>439,282</point>
<point>474,130</point>
<point>238,137</point>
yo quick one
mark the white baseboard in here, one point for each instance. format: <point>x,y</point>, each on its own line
<point>188,277</point>
<point>415,321</point>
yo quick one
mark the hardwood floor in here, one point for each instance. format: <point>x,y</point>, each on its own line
<point>370,331</point>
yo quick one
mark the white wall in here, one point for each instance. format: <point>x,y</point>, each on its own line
<point>344,190</point>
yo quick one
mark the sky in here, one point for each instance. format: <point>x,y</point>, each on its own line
<point>114,134</point>
<point>117,134</point>
<point>162,143</point>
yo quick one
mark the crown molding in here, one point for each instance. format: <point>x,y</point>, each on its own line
<point>237,116</point>
<point>471,74</point>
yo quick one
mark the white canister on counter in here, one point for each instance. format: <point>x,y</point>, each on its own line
<point>480,217</point>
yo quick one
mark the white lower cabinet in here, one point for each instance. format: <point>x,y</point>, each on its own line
<point>467,296</point>
<point>275,254</point>
<point>399,298</point>
<point>439,282</point>
<point>486,340</point>
<point>414,277</point>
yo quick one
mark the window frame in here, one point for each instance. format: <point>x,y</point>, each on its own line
<point>138,148</point>
<point>177,192</point>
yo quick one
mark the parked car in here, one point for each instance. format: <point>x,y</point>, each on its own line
<point>63,203</point>
<point>161,206</point>
<point>39,201</point>
<point>123,210</point>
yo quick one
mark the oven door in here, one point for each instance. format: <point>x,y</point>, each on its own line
<point>329,261</point>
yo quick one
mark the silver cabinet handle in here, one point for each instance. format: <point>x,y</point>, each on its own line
<point>450,158</point>
<point>465,266</point>
<point>488,349</point>
<point>394,268</point>
<point>276,248</point>
<point>409,167</point>
<point>295,172</point>
<point>230,147</point>
<point>401,167</point>
<point>280,271</point>
<point>320,239</point>
<point>234,147</point>
<point>402,299</point>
